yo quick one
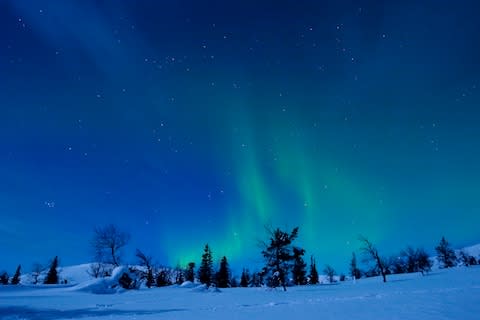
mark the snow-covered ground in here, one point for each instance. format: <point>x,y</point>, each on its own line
<point>443,294</point>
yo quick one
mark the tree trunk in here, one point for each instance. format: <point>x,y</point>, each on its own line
<point>114,259</point>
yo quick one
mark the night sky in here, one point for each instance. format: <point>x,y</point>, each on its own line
<point>187,122</point>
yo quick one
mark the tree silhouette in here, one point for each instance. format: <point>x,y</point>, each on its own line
<point>313,271</point>
<point>278,255</point>
<point>107,242</point>
<point>190,272</point>
<point>298,271</point>
<point>223,274</point>
<point>371,254</point>
<point>16,276</point>
<point>205,271</point>
<point>52,275</point>
<point>354,270</point>
<point>445,254</point>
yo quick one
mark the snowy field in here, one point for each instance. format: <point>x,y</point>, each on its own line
<point>443,294</point>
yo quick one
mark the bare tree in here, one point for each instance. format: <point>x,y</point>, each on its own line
<point>107,242</point>
<point>329,272</point>
<point>144,260</point>
<point>371,254</point>
<point>96,270</point>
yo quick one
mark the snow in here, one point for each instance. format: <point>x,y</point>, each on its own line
<point>443,294</point>
<point>472,250</point>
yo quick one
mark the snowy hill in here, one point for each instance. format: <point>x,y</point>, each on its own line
<point>443,294</point>
<point>472,250</point>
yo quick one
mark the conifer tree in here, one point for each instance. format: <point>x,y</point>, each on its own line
<point>313,271</point>
<point>256,279</point>
<point>179,275</point>
<point>150,280</point>
<point>205,271</point>
<point>223,274</point>
<point>190,272</point>
<point>16,276</point>
<point>162,279</point>
<point>354,270</point>
<point>279,257</point>
<point>52,275</point>
<point>245,278</point>
<point>4,278</point>
<point>445,254</point>
<point>299,272</point>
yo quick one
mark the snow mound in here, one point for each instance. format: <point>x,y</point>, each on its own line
<point>76,274</point>
<point>204,288</point>
<point>188,284</point>
<point>473,250</point>
<point>107,285</point>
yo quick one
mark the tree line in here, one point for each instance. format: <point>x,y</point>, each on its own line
<point>284,264</point>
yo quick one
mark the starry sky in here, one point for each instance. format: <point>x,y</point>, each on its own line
<point>185,122</point>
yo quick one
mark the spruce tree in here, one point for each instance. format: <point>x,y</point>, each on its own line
<point>179,275</point>
<point>150,280</point>
<point>354,270</point>
<point>16,276</point>
<point>205,271</point>
<point>223,274</point>
<point>162,279</point>
<point>52,275</point>
<point>445,254</point>
<point>4,278</point>
<point>298,271</point>
<point>279,257</point>
<point>190,272</point>
<point>313,271</point>
<point>245,278</point>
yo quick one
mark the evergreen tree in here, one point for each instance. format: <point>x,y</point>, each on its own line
<point>205,271</point>
<point>278,255</point>
<point>445,254</point>
<point>179,275</point>
<point>16,276</point>
<point>163,279</point>
<point>150,280</point>
<point>313,271</point>
<point>298,271</point>
<point>190,272</point>
<point>4,278</point>
<point>424,264</point>
<point>256,279</point>
<point>466,259</point>
<point>245,278</point>
<point>354,270</point>
<point>223,274</point>
<point>52,275</point>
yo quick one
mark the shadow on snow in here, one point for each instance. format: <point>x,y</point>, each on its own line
<point>24,312</point>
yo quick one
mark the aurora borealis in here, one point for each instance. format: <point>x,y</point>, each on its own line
<point>187,122</point>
